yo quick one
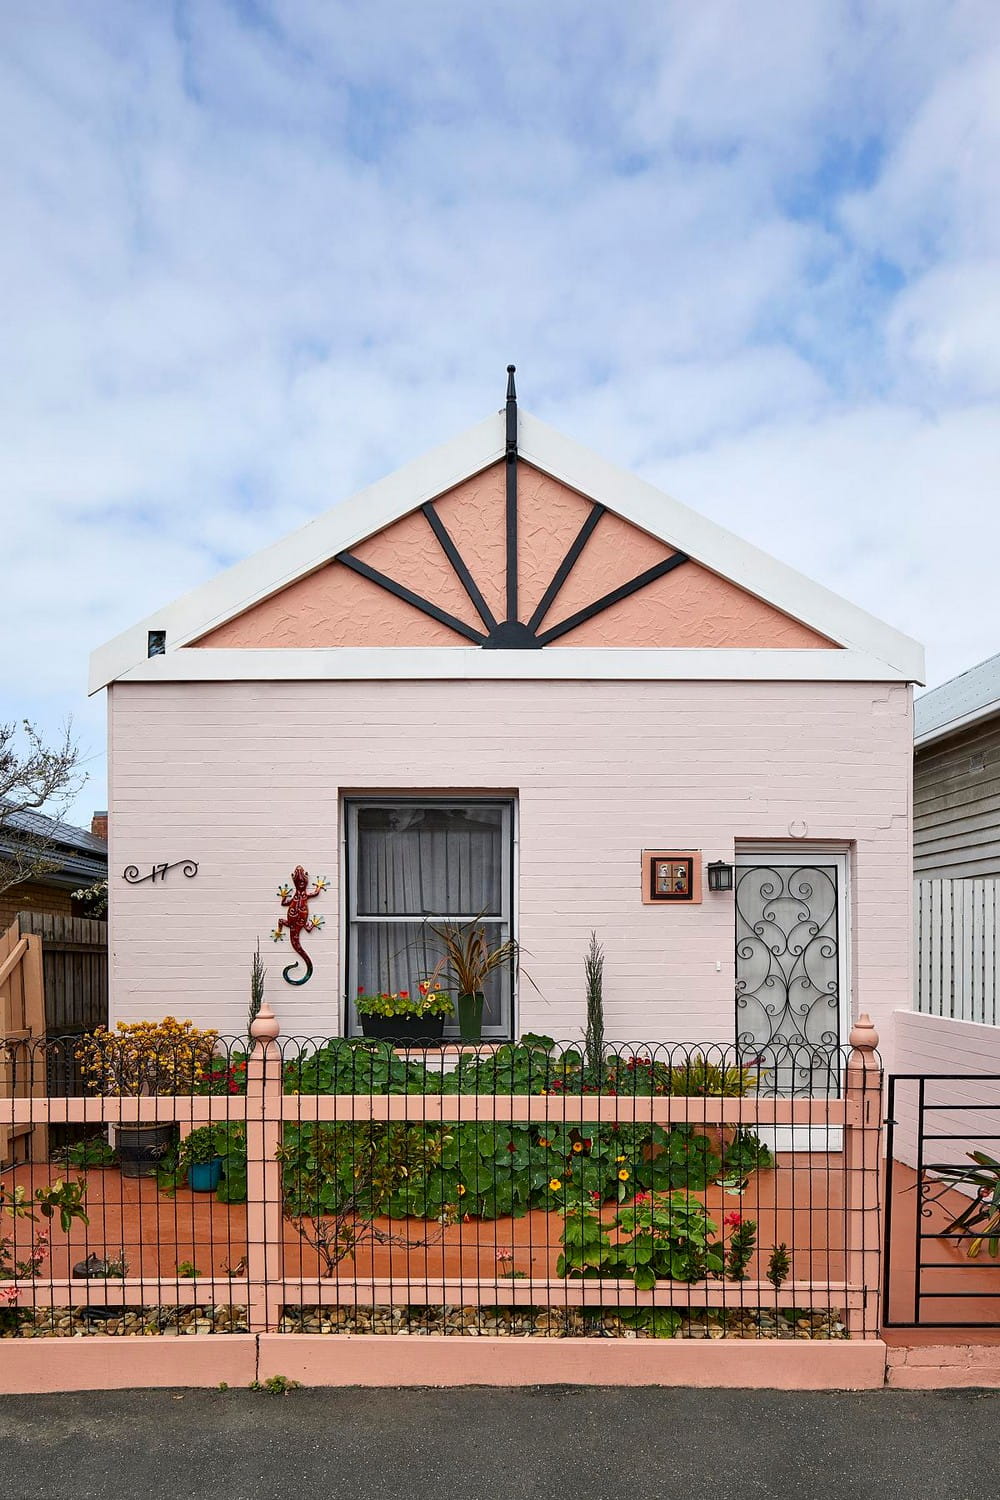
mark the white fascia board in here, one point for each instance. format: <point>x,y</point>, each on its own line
<point>554,663</point>
<point>942,731</point>
<point>344,525</point>
<point>303,551</point>
<point>718,549</point>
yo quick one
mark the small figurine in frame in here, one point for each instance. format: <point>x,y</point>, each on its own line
<point>671,876</point>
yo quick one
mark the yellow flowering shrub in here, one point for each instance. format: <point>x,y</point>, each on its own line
<point>147,1057</point>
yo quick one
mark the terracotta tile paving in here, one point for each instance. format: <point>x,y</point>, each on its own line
<point>800,1203</point>
<point>155,1232</point>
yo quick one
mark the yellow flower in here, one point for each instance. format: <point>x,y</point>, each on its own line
<point>619,1158</point>
<point>460,1190</point>
<point>542,1141</point>
<point>555,1185</point>
<point>577,1146</point>
<point>623,1176</point>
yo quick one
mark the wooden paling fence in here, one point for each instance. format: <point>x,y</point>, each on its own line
<point>75,970</point>
<point>22,1018</point>
<point>957,943</point>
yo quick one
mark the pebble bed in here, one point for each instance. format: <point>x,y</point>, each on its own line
<point>469,1322</point>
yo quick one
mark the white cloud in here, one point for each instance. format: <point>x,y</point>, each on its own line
<point>256,254</point>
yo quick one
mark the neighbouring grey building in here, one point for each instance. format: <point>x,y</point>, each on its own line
<point>956,777</point>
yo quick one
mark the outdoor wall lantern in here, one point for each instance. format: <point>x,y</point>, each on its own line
<point>720,876</point>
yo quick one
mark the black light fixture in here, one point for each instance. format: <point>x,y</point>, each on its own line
<point>720,876</point>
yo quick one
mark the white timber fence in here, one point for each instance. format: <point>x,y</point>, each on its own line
<point>957,938</point>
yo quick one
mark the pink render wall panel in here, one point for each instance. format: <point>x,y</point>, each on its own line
<point>410,553</point>
<point>616,553</point>
<point>688,607</point>
<point>247,778</point>
<point>332,607</point>
<point>474,514</point>
<point>549,516</point>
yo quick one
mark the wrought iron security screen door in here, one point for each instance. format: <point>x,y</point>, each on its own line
<point>792,1000</point>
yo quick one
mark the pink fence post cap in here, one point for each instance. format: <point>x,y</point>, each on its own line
<point>863,1033</point>
<point>264,1026</point>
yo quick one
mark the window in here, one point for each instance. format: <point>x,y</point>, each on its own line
<point>413,864</point>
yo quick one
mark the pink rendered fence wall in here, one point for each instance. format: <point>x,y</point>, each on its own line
<point>844,1276</point>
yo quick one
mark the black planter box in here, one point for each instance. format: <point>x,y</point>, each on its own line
<point>405,1030</point>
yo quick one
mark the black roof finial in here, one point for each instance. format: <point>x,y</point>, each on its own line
<point>511,418</point>
<point>511,507</point>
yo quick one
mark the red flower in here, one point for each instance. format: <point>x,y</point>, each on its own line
<point>361,989</point>
<point>733,1220</point>
<point>404,994</point>
<point>596,1197</point>
<point>641,1198</point>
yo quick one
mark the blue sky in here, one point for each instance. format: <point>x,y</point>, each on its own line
<point>257,254</point>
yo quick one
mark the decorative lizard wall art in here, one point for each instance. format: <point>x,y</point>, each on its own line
<point>295,898</point>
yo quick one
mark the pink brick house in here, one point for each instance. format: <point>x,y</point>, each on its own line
<point>493,683</point>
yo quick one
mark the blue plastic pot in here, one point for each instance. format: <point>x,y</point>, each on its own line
<point>205,1176</point>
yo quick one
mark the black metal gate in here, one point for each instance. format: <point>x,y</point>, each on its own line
<point>942,1204</point>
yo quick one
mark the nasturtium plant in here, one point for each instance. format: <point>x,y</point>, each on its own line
<point>482,1169</point>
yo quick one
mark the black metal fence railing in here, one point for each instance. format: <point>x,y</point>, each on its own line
<point>942,1260</point>
<point>342,1186</point>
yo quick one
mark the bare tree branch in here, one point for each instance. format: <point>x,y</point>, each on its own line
<point>33,775</point>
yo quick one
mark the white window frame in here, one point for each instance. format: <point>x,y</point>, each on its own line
<point>507,918</point>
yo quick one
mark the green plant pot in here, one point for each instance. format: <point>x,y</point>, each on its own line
<point>470,1017</point>
<point>205,1176</point>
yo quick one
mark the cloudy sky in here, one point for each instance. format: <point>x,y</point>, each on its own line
<point>258,253</point>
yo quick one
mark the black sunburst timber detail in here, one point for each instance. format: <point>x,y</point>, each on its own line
<point>511,634</point>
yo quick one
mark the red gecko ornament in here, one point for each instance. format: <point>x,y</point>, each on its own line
<point>298,920</point>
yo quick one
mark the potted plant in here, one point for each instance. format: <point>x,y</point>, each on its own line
<point>200,1156</point>
<point>471,960</point>
<point>141,1059</point>
<point>402,1017</point>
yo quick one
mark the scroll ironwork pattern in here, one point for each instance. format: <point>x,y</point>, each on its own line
<point>788,975</point>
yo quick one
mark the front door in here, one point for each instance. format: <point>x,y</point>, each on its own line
<point>791,973</point>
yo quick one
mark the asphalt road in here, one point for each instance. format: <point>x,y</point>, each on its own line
<point>595,1444</point>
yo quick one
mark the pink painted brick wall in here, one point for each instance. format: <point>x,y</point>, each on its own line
<point>247,778</point>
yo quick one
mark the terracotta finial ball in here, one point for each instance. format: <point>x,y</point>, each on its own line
<point>264,1026</point>
<point>863,1033</point>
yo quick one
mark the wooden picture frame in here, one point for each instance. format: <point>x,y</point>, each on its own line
<point>671,877</point>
